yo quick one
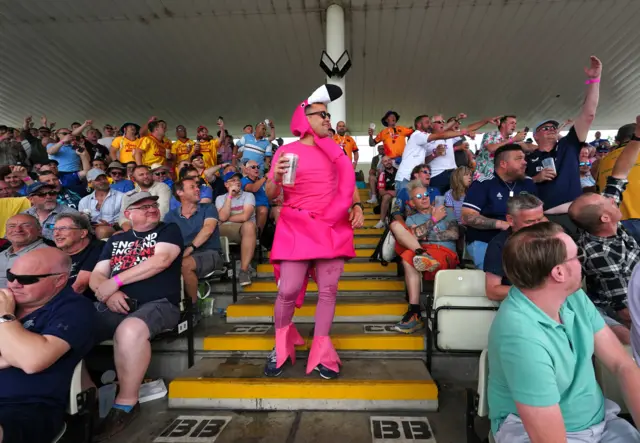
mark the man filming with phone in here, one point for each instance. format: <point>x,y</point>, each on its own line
<point>137,284</point>
<point>555,165</point>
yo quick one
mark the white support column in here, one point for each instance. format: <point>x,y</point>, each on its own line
<point>335,48</point>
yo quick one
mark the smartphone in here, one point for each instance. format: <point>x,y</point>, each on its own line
<point>439,200</point>
<point>79,150</point>
<point>133,304</point>
<point>549,163</point>
<point>526,129</point>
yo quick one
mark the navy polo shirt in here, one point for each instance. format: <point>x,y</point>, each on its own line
<point>489,197</point>
<point>190,227</point>
<point>68,316</point>
<point>493,256</point>
<point>566,186</point>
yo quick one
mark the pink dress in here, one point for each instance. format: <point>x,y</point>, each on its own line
<point>302,233</point>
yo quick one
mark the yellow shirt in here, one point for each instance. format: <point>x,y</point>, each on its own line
<point>209,150</point>
<point>125,148</point>
<point>347,143</point>
<point>9,207</point>
<point>630,206</point>
<point>153,151</point>
<point>182,151</point>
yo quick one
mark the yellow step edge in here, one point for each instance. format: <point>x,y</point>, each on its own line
<point>370,223</point>
<point>348,267</point>
<point>368,231</point>
<point>359,252</point>
<point>343,285</point>
<point>369,215</point>
<point>303,388</point>
<point>366,240</point>
<point>345,342</point>
<point>342,310</point>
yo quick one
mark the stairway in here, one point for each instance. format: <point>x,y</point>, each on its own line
<point>382,369</point>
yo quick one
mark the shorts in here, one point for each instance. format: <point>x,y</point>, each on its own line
<point>30,422</point>
<point>159,316</point>
<point>207,261</point>
<point>231,230</point>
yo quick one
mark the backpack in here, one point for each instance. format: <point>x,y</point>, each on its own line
<point>385,251</point>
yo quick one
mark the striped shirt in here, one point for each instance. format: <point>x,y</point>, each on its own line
<point>253,149</point>
<point>109,211</point>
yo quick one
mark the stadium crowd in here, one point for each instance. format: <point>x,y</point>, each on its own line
<point>122,214</point>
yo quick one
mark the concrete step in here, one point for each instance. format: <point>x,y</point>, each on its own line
<point>345,337</point>
<point>365,242</point>
<point>380,384</point>
<point>370,223</point>
<point>361,269</point>
<point>348,310</point>
<point>344,285</point>
<point>369,215</point>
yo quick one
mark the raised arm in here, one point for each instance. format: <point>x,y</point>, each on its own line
<point>627,159</point>
<point>78,131</point>
<point>588,111</point>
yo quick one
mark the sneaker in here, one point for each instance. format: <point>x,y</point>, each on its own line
<point>325,372</point>
<point>424,262</point>
<point>373,200</point>
<point>115,422</point>
<point>270,369</point>
<point>244,277</point>
<point>381,224</point>
<point>411,322</point>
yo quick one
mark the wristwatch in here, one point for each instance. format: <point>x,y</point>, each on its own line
<point>7,317</point>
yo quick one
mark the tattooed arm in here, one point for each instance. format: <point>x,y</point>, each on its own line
<point>449,234</point>
<point>475,220</point>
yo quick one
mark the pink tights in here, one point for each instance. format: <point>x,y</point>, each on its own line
<point>292,277</point>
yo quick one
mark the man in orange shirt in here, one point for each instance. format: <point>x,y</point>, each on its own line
<point>393,137</point>
<point>208,146</point>
<point>346,142</point>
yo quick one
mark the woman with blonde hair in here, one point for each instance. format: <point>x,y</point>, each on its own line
<point>460,182</point>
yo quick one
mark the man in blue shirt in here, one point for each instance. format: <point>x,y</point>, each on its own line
<point>542,385</point>
<point>206,192</point>
<point>555,165</point>
<point>400,208</point>
<point>484,209</point>
<point>198,224</point>
<point>252,183</point>
<point>118,174</point>
<point>65,151</point>
<point>256,146</point>
<point>45,330</point>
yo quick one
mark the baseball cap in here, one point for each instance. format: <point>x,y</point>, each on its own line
<point>35,187</point>
<point>133,197</point>
<point>116,165</point>
<point>94,173</point>
<point>543,122</point>
<point>158,166</point>
<point>200,128</point>
<point>229,175</point>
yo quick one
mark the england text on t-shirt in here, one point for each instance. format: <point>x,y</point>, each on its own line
<point>129,249</point>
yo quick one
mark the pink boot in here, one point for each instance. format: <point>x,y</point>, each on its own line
<point>287,339</point>
<point>323,352</point>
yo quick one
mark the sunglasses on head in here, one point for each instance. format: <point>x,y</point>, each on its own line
<point>27,279</point>
<point>47,193</point>
<point>323,114</point>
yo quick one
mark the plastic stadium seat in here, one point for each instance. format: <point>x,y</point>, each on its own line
<point>462,314</point>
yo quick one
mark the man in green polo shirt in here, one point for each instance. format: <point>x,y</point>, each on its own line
<point>542,386</point>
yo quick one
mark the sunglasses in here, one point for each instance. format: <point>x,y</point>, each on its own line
<point>426,171</point>
<point>440,122</point>
<point>25,280</point>
<point>158,174</point>
<point>47,194</point>
<point>548,128</point>
<point>146,207</point>
<point>323,114</point>
<point>63,133</point>
<point>421,196</point>
<point>116,172</point>
<point>253,167</point>
<point>585,163</point>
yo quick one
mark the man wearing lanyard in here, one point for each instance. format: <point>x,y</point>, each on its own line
<point>347,143</point>
<point>393,137</point>
<point>555,165</point>
<point>484,209</point>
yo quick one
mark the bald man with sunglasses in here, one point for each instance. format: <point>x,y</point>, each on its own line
<point>45,330</point>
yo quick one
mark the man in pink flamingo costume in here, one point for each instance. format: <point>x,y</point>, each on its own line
<point>315,230</point>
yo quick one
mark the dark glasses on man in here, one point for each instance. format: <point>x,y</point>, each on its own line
<point>421,196</point>
<point>25,280</point>
<point>47,193</point>
<point>323,114</point>
<point>116,172</point>
<point>548,128</point>
<point>426,171</point>
<point>158,174</point>
<point>585,163</point>
<point>253,167</point>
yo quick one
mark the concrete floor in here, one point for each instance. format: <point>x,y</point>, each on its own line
<point>447,425</point>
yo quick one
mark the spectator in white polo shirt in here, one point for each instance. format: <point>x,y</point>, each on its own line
<point>102,205</point>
